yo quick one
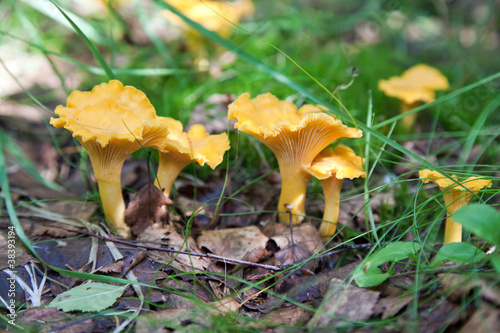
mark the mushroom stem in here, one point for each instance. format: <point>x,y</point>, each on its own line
<point>169,167</point>
<point>114,206</point>
<point>331,190</point>
<point>454,200</point>
<point>293,198</point>
<point>409,120</point>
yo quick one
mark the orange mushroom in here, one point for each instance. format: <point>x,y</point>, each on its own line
<point>455,197</point>
<point>332,166</point>
<point>111,122</point>
<point>294,136</point>
<point>217,16</point>
<point>414,86</point>
<point>182,148</point>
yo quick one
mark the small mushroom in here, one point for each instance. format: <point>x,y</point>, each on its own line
<point>414,86</point>
<point>294,136</point>
<point>455,197</point>
<point>181,148</point>
<point>332,166</point>
<point>111,122</point>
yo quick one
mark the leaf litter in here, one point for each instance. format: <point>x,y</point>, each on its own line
<point>184,286</point>
<point>281,297</point>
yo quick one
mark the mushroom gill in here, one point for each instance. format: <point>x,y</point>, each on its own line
<point>294,136</point>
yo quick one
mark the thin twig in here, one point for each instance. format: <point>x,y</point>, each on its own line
<point>344,247</point>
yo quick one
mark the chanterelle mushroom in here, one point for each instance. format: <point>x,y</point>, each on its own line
<point>294,136</point>
<point>218,16</point>
<point>331,166</point>
<point>182,148</point>
<point>455,197</point>
<point>415,85</point>
<point>111,122</point>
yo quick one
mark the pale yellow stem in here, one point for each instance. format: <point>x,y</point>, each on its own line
<point>292,198</point>
<point>454,200</point>
<point>114,206</point>
<point>169,167</point>
<point>331,191</point>
<point>409,121</point>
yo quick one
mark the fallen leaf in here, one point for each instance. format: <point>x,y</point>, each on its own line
<point>145,208</point>
<point>483,320</point>
<point>233,243</point>
<point>90,297</point>
<point>437,314</point>
<point>289,315</point>
<point>304,235</point>
<point>22,255</point>
<point>458,286</point>
<point>388,307</point>
<point>168,237</point>
<point>345,303</point>
<point>52,320</point>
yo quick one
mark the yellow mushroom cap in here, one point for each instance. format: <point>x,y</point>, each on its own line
<point>474,184</point>
<point>340,163</point>
<point>108,113</point>
<point>283,128</point>
<point>218,16</point>
<point>417,84</point>
<point>194,145</point>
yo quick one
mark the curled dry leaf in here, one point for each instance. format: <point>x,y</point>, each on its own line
<point>146,207</point>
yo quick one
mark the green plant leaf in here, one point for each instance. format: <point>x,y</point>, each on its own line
<point>88,297</point>
<point>482,220</point>
<point>458,252</point>
<point>495,260</point>
<point>368,274</point>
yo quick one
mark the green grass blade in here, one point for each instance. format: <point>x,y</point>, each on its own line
<point>15,151</point>
<point>68,20</point>
<point>99,70</point>
<point>90,45</point>
<point>477,129</point>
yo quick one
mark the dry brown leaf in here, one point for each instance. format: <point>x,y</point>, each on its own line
<point>289,315</point>
<point>437,314</point>
<point>168,237</point>
<point>36,229</point>
<point>146,207</point>
<point>113,268</point>
<point>52,320</point>
<point>347,302</point>
<point>304,235</point>
<point>388,307</point>
<point>457,286</point>
<point>233,243</point>
<point>22,255</point>
<point>485,319</point>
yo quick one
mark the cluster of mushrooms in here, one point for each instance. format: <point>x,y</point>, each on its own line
<point>112,121</point>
